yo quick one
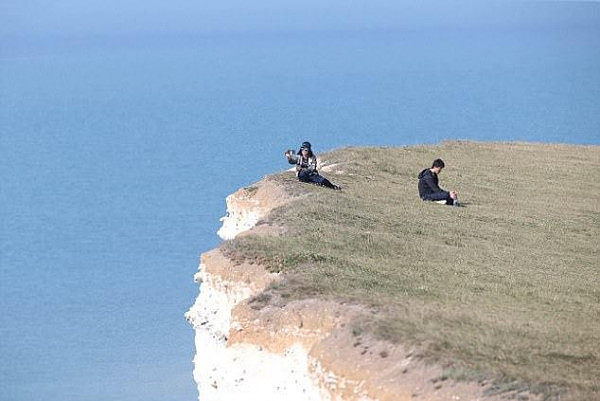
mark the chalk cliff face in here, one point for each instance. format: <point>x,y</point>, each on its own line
<point>303,351</point>
<point>231,361</point>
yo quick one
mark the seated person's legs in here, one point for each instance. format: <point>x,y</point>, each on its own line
<point>317,179</point>
<point>320,180</point>
<point>304,176</point>
<point>437,196</point>
<point>440,197</point>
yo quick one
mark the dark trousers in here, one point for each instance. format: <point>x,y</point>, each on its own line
<point>309,176</point>
<point>439,196</point>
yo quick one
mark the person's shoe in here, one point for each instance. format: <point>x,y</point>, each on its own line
<point>456,203</point>
<point>337,188</point>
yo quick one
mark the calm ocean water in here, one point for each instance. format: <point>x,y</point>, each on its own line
<point>116,155</point>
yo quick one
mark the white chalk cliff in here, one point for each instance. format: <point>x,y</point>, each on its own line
<point>303,351</point>
<point>227,370</point>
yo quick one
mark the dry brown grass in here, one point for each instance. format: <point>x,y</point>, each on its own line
<point>507,286</point>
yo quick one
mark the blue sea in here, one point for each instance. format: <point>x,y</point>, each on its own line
<point>117,153</point>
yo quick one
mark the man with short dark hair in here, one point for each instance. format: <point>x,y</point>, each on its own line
<point>429,188</point>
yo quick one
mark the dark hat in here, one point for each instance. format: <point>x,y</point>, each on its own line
<point>306,145</point>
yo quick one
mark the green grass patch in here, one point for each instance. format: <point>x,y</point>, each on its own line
<point>507,285</point>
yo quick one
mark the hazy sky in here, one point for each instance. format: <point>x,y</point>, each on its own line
<point>89,17</point>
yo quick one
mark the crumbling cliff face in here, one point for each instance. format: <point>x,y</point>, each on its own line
<point>305,350</point>
<point>236,357</point>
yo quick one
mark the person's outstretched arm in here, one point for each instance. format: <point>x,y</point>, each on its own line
<point>291,157</point>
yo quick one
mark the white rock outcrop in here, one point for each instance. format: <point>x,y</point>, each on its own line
<point>225,372</point>
<point>240,371</point>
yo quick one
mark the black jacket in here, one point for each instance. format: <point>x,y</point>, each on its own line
<point>428,186</point>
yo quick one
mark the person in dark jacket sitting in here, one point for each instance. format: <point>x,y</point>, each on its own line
<point>306,166</point>
<point>429,188</point>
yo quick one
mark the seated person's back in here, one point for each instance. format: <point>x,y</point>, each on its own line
<point>429,188</point>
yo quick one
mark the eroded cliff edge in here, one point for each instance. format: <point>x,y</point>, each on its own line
<point>303,350</point>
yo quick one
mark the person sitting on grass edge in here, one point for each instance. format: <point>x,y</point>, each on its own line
<point>306,166</point>
<point>429,189</point>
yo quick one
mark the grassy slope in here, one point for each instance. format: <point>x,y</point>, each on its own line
<point>508,285</point>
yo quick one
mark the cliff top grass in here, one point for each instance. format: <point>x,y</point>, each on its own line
<point>506,287</point>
